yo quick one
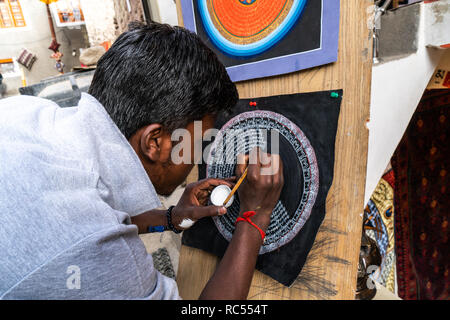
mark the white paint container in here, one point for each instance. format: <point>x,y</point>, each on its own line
<point>220,194</point>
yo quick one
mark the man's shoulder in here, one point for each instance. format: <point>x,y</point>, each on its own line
<point>22,116</point>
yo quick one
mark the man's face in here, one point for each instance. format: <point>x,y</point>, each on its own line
<point>165,175</point>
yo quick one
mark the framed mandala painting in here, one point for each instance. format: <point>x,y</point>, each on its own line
<point>261,38</point>
<point>301,128</point>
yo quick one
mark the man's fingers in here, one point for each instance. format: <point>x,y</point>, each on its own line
<point>254,166</point>
<point>276,165</point>
<point>280,172</point>
<point>209,211</point>
<point>241,164</point>
<point>265,159</point>
<point>212,182</point>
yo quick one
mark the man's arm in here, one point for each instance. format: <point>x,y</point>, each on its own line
<point>233,276</point>
<point>259,193</point>
<point>192,206</point>
<point>150,218</point>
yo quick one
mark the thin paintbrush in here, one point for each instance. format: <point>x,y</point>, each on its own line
<point>236,186</point>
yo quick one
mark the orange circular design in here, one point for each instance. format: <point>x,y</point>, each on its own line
<point>443,172</point>
<point>423,236</point>
<point>444,224</point>
<point>433,204</point>
<point>442,118</point>
<point>420,123</point>
<point>247,20</point>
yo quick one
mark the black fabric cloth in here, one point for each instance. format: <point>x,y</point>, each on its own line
<point>316,114</point>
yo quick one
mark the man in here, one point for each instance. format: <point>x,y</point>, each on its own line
<point>77,184</point>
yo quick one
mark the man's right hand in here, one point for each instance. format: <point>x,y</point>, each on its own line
<point>259,192</point>
<point>261,188</point>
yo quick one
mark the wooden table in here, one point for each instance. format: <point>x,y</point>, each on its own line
<point>331,267</point>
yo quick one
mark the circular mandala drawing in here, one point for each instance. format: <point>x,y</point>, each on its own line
<point>248,27</point>
<point>301,173</point>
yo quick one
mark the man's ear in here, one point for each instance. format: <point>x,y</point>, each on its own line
<point>151,141</point>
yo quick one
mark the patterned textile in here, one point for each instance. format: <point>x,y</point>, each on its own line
<point>380,227</point>
<point>162,262</point>
<point>420,164</point>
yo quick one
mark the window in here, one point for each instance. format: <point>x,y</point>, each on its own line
<point>11,15</point>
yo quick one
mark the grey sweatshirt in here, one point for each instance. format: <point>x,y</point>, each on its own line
<point>69,183</point>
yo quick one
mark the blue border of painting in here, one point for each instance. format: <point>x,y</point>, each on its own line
<point>327,53</point>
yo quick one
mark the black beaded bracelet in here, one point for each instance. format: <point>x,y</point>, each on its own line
<point>169,220</point>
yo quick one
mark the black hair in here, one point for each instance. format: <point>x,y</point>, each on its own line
<point>157,73</point>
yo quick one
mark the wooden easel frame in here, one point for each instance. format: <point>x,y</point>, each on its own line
<point>334,258</point>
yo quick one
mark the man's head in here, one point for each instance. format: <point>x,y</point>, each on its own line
<point>155,79</point>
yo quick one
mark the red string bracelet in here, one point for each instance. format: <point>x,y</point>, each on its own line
<point>246,217</point>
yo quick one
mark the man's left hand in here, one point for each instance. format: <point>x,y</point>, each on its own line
<point>193,203</point>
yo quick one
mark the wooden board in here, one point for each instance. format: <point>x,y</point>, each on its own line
<point>331,268</point>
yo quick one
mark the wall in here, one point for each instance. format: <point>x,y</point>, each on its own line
<point>100,20</point>
<point>107,19</point>
<point>36,38</point>
<point>126,14</point>
<point>164,11</point>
